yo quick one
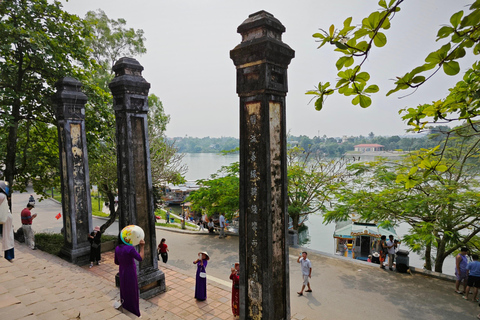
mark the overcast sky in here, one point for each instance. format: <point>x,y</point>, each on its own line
<point>189,67</point>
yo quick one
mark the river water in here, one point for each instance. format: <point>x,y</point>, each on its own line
<point>317,235</point>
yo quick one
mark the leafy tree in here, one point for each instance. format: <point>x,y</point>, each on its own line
<point>355,44</point>
<point>219,194</point>
<point>39,44</point>
<point>437,197</point>
<point>312,180</point>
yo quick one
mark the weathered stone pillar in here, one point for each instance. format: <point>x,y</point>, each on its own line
<point>135,192</point>
<point>261,60</point>
<point>72,142</point>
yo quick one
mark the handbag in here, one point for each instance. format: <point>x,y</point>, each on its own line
<point>95,245</point>
<point>203,275</point>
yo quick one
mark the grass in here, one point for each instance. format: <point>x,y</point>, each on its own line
<point>52,243</point>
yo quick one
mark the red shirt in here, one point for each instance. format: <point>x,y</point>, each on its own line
<point>26,216</point>
<point>163,247</point>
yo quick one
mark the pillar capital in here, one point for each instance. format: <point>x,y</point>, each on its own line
<point>261,58</point>
<point>70,99</point>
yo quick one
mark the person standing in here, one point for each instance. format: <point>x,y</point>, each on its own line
<point>235,277</point>
<point>27,219</point>
<point>391,246</point>
<point>95,239</point>
<point>306,267</point>
<point>8,240</point>
<point>461,263</point>
<point>221,221</point>
<point>167,216</point>
<point>473,271</point>
<point>163,250</point>
<point>201,277</point>
<point>125,257</point>
<point>383,251</point>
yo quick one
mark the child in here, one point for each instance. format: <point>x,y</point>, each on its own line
<point>95,239</point>
<point>163,250</point>
<point>369,258</point>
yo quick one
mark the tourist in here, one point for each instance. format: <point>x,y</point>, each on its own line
<point>31,199</point>
<point>8,240</point>
<point>167,216</point>
<point>391,246</point>
<point>235,277</point>
<point>125,257</point>
<point>383,251</point>
<point>369,258</point>
<point>27,219</point>
<point>95,239</point>
<point>211,226</point>
<point>201,277</point>
<point>306,267</point>
<point>461,263</point>
<point>222,226</point>
<point>473,272</point>
<point>163,250</point>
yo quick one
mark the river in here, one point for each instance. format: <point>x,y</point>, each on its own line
<point>317,235</point>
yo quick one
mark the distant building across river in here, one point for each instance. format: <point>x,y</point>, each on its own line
<point>369,147</point>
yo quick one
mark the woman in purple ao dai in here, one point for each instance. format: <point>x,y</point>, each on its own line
<point>201,278</point>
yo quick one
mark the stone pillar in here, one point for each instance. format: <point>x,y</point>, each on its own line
<point>135,192</point>
<point>72,142</point>
<point>261,60</point>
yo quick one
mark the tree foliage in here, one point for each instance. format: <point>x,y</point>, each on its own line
<point>437,197</point>
<point>39,44</point>
<point>355,43</point>
<point>312,180</point>
<point>219,194</point>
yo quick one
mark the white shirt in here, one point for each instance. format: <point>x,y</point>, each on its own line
<point>392,249</point>
<point>305,265</point>
<point>222,221</point>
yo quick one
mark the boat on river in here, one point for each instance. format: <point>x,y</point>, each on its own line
<point>358,240</point>
<point>176,194</point>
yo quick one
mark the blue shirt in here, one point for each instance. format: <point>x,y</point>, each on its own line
<point>474,268</point>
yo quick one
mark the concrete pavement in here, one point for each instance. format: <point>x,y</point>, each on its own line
<point>342,288</point>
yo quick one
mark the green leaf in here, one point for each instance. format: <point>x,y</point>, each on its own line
<point>331,30</point>
<point>341,62</point>
<point>380,40</point>
<point>365,101</point>
<point>441,168</point>
<point>451,68</point>
<point>456,18</point>
<point>418,79</point>
<point>340,45</point>
<point>318,35</point>
<point>319,104</point>
<point>363,76</point>
<point>444,32</point>
<point>473,19</point>
<point>372,88</point>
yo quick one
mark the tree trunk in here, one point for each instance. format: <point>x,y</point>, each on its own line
<point>295,220</point>
<point>12,148</point>
<point>440,256</point>
<point>113,212</point>
<point>428,256</point>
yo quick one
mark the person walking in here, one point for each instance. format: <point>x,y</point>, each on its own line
<point>306,267</point>
<point>8,240</point>
<point>95,239</point>
<point>125,257</point>
<point>235,277</point>
<point>201,276</point>
<point>221,221</point>
<point>461,263</point>
<point>163,250</point>
<point>27,219</point>
<point>391,246</point>
<point>473,281</point>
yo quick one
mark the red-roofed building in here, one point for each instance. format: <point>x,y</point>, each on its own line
<point>369,147</point>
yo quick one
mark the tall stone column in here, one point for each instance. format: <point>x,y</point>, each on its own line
<point>135,192</point>
<point>72,142</point>
<point>261,60</point>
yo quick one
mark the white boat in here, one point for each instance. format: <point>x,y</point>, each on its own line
<point>176,194</point>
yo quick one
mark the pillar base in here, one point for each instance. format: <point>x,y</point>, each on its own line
<point>79,256</point>
<point>150,283</point>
